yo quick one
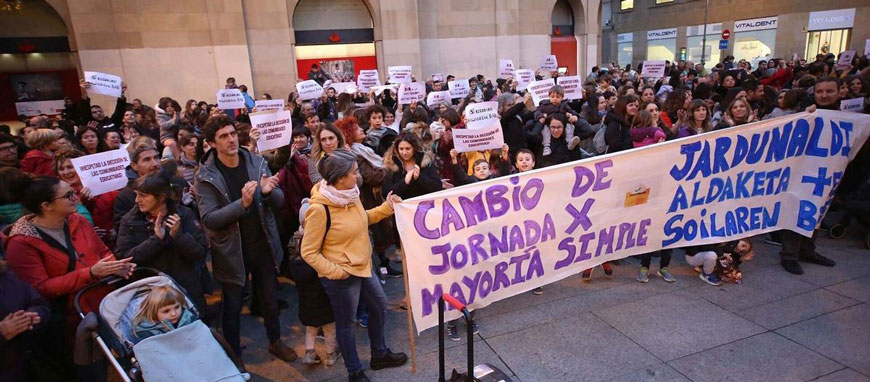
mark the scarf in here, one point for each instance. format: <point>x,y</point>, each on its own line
<point>342,198</point>
<point>368,154</point>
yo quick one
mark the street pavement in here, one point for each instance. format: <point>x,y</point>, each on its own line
<point>774,327</point>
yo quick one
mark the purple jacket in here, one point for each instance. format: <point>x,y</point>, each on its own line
<point>645,136</point>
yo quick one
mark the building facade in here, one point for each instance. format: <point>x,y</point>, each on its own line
<point>638,30</point>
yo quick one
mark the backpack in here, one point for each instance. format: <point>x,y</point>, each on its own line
<point>598,140</point>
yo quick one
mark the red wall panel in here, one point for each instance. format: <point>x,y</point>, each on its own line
<point>565,49</point>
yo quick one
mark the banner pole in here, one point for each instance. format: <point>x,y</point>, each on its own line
<point>410,315</point>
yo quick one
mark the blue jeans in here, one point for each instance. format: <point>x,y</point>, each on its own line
<point>344,295</point>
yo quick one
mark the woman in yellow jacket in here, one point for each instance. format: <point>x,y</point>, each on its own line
<point>336,244</point>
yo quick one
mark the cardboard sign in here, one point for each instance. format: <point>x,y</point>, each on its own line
<point>845,60</point>
<point>459,88</point>
<point>340,87</point>
<point>230,99</point>
<point>483,130</point>
<point>102,83</point>
<point>438,77</point>
<point>309,89</point>
<point>400,74</point>
<point>103,172</point>
<point>506,68</point>
<point>412,92</point>
<point>855,105</point>
<point>367,79</point>
<point>276,129</point>
<point>269,104</point>
<point>653,69</point>
<point>540,90</point>
<point>524,78</point>
<point>435,99</point>
<point>572,85</point>
<point>549,63</point>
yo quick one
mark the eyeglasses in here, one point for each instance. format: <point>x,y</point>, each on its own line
<point>71,195</point>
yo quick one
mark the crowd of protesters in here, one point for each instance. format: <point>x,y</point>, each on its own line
<point>204,206</point>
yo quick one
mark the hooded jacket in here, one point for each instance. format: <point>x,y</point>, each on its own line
<point>345,250</point>
<point>617,135</point>
<point>38,162</point>
<point>220,216</point>
<point>429,181</point>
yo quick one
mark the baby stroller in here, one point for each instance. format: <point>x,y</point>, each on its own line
<point>189,353</point>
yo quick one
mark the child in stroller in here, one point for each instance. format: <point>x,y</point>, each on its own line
<point>164,309</point>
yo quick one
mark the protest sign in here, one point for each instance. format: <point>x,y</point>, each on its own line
<point>380,89</point>
<point>572,85</point>
<point>524,77</point>
<point>845,60</point>
<point>276,129</point>
<point>494,239</point>
<point>309,89</point>
<point>412,92</point>
<point>867,47</point>
<point>854,105</point>
<point>653,69</point>
<point>483,130</point>
<point>103,172</point>
<point>400,74</point>
<point>340,87</point>
<point>506,68</point>
<point>459,88</point>
<point>548,63</point>
<point>230,99</point>
<point>540,90</point>
<point>269,104</point>
<point>102,83</point>
<point>438,77</point>
<point>435,99</point>
<point>367,79</point>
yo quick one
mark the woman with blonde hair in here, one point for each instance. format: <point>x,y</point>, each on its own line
<point>739,112</point>
<point>38,161</point>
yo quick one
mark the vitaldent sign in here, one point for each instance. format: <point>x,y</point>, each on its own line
<point>756,24</point>
<point>836,19</point>
<point>660,34</point>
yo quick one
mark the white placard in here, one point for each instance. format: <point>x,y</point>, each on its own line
<point>653,69</point>
<point>367,79</point>
<point>103,172</point>
<point>400,74</point>
<point>549,63</point>
<point>438,77</point>
<point>459,88</point>
<point>524,78</point>
<point>102,83</point>
<point>340,87</point>
<point>276,129</point>
<point>572,85</point>
<point>540,90</point>
<point>855,105</point>
<point>845,60</point>
<point>506,68</point>
<point>34,108</point>
<point>230,99</point>
<point>483,130</point>
<point>434,99</point>
<point>380,89</point>
<point>867,47</point>
<point>412,92</point>
<point>309,89</point>
<point>269,104</point>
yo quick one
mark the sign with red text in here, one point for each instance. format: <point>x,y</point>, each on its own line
<point>230,99</point>
<point>103,172</point>
<point>269,104</point>
<point>276,129</point>
<point>540,90</point>
<point>483,129</point>
<point>412,92</point>
<point>653,69</point>
<point>367,79</point>
<point>102,83</point>
<point>572,85</point>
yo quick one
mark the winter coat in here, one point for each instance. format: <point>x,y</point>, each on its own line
<point>168,125</point>
<point>147,329</point>
<point>101,208</point>
<point>617,135</point>
<point>38,162</point>
<point>17,295</point>
<point>645,136</point>
<point>220,216</point>
<point>546,109</point>
<point>370,195</point>
<point>177,257</point>
<point>427,182</point>
<point>11,212</point>
<point>315,308</point>
<point>294,182</point>
<point>113,123</point>
<point>124,202</point>
<point>559,153</point>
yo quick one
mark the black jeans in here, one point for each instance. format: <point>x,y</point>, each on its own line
<point>795,245</point>
<point>264,276</point>
<point>646,258</point>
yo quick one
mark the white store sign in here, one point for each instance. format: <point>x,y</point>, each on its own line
<point>661,34</point>
<point>756,24</point>
<point>835,19</point>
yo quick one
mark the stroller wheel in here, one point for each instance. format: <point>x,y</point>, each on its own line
<point>837,231</point>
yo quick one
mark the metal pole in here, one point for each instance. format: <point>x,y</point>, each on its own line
<point>704,38</point>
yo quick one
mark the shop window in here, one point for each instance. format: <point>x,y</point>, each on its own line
<point>664,1</point>
<point>625,53</point>
<point>626,5</point>
<point>754,46</point>
<point>824,42</point>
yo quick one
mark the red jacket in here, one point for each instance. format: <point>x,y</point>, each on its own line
<point>44,266</point>
<point>38,162</point>
<point>101,208</point>
<point>779,78</point>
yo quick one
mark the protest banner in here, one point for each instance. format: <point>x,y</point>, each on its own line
<point>573,86</point>
<point>548,63</point>
<point>653,69</point>
<point>269,104</point>
<point>309,89</point>
<point>845,60</point>
<point>494,239</point>
<point>230,99</point>
<point>400,74</point>
<point>340,87</point>
<point>459,88</point>
<point>102,83</point>
<point>483,130</point>
<point>854,105</point>
<point>506,68</point>
<point>276,129</point>
<point>434,99</point>
<point>367,79</point>
<point>103,172</point>
<point>540,90</point>
<point>524,77</point>
<point>412,92</point>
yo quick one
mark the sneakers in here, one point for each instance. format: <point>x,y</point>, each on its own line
<point>392,273</point>
<point>332,358</point>
<point>474,328</point>
<point>282,351</point>
<point>587,275</point>
<point>363,322</point>
<point>388,359</point>
<point>453,333</point>
<point>644,275</point>
<point>574,142</point>
<point>311,358</point>
<point>792,266</point>
<point>359,376</point>
<point>608,270</point>
<point>711,279</point>
<point>538,291</point>
<point>547,151</point>
<point>666,275</point>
